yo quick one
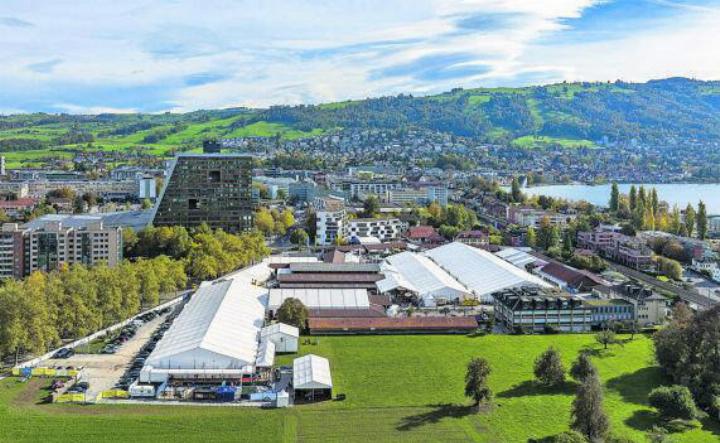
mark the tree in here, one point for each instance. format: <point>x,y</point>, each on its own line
<point>614,197</point>
<point>476,387</point>
<point>299,237</point>
<point>606,337</point>
<point>687,351</point>
<point>582,368</point>
<point>654,202</point>
<point>515,191</point>
<point>287,218</point>
<point>633,198</point>
<point>264,221</point>
<point>549,370</point>
<point>371,206</point>
<point>531,237</point>
<point>569,437</point>
<point>702,221</point>
<point>673,402</point>
<point>588,415</point>
<point>293,312</point>
<point>147,204</point>
<point>689,219</point>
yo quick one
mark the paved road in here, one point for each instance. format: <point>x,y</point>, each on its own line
<point>102,371</point>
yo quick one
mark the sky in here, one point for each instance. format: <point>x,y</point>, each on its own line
<point>94,56</point>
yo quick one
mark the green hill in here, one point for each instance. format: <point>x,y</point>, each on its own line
<point>567,114</point>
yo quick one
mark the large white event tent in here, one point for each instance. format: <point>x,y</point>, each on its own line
<point>218,328</point>
<point>480,271</point>
<point>418,274</point>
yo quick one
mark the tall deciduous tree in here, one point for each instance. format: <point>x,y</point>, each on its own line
<point>293,312</point>
<point>549,370</point>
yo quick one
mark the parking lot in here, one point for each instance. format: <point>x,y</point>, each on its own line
<point>102,371</point>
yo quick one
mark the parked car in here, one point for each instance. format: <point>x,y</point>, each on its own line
<point>64,353</point>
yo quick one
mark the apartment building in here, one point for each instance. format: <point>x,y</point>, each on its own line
<point>610,243</point>
<point>51,241</point>
<point>384,229</point>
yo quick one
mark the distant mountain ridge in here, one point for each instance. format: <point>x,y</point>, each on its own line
<point>565,113</point>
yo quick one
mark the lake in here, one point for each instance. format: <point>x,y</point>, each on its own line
<point>676,193</point>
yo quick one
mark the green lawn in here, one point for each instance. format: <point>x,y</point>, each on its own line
<point>399,388</point>
<point>538,141</point>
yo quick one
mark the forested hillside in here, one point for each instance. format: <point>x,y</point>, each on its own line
<point>653,112</point>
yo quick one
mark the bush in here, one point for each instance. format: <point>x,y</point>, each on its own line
<point>673,402</point>
<point>549,370</point>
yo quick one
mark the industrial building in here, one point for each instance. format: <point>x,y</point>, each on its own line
<point>208,188</point>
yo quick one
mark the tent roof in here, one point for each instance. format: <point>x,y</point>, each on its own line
<point>280,328</point>
<point>417,273</point>
<point>311,372</point>
<point>266,354</point>
<point>335,298</point>
<point>479,270</point>
<point>223,317</point>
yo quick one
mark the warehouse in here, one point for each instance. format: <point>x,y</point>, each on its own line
<point>480,271</point>
<point>337,298</point>
<point>416,274</point>
<point>311,379</point>
<point>329,275</point>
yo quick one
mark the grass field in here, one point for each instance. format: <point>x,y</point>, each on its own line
<point>399,388</point>
<point>539,141</point>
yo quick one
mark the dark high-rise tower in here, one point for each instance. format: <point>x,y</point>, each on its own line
<point>208,188</point>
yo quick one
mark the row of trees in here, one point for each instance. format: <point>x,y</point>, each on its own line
<point>273,221</point>
<point>206,254</point>
<point>36,313</point>
<point>646,212</point>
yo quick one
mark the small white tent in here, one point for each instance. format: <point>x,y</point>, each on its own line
<point>284,337</point>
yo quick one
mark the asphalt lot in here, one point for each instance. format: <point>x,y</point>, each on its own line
<point>102,371</point>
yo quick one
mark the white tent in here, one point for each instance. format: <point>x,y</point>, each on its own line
<point>482,272</point>
<point>217,329</point>
<point>418,274</point>
<point>331,298</point>
<point>311,372</point>
<point>284,337</point>
<point>266,354</point>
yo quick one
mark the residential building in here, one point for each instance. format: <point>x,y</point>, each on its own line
<point>536,309</point>
<point>534,217</point>
<point>215,189</point>
<point>473,238</point>
<point>50,241</point>
<point>650,308</point>
<point>608,241</point>
<point>16,208</point>
<point>383,229</point>
<point>709,267</point>
<point>421,234</point>
<point>377,188</point>
<point>329,226</point>
<point>12,258</point>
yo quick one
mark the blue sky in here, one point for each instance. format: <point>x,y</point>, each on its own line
<point>90,56</point>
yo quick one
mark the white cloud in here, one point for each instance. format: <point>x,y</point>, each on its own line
<point>258,53</point>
